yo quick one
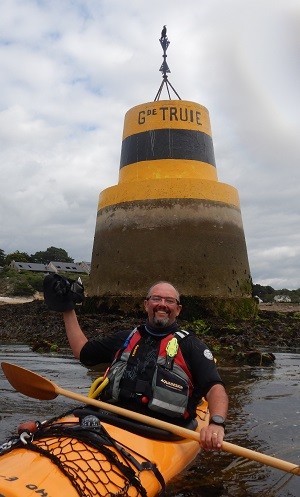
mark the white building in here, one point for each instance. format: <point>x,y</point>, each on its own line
<point>282,298</point>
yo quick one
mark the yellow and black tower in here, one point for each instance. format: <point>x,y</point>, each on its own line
<point>169,218</point>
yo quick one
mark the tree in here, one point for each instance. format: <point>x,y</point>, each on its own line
<point>2,257</point>
<point>266,293</point>
<point>17,256</point>
<point>51,254</point>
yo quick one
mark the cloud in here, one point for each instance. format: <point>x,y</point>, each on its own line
<point>69,72</point>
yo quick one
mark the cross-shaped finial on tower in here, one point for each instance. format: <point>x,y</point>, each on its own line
<point>164,68</point>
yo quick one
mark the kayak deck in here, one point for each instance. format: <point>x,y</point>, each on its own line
<point>78,458</point>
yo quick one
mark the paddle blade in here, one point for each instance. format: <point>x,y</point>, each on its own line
<point>29,383</point>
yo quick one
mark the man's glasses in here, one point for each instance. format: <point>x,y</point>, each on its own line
<point>158,299</point>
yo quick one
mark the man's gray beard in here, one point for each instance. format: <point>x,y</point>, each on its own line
<point>160,322</point>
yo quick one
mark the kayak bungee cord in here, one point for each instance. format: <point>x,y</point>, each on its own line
<point>96,456</point>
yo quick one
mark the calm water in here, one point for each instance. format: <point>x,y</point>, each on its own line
<point>264,416</point>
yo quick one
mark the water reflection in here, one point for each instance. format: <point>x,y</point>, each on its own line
<point>264,416</point>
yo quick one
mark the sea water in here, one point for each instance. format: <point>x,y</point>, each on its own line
<point>264,416</point>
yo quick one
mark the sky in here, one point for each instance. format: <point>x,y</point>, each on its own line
<point>69,71</point>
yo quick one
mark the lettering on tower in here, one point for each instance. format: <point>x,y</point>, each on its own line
<point>169,113</point>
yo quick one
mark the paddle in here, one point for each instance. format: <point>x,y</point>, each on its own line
<point>33,385</point>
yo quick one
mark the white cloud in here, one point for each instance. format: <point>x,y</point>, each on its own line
<point>70,70</point>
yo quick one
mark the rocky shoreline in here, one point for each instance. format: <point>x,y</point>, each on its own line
<point>275,327</point>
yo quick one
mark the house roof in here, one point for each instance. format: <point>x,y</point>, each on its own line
<point>52,267</point>
<point>30,266</point>
<point>69,267</point>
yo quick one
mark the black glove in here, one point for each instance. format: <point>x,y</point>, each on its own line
<point>61,294</point>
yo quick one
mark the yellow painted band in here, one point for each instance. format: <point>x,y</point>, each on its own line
<point>167,168</point>
<point>169,188</point>
<point>179,114</point>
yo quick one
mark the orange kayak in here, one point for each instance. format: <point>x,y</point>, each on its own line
<point>93,453</point>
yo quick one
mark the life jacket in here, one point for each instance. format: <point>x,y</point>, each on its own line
<point>165,384</point>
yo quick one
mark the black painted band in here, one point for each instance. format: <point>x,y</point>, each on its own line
<point>167,144</point>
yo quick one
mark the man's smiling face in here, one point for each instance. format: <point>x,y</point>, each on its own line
<point>162,305</point>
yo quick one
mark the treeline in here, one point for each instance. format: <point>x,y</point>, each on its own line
<point>267,293</point>
<point>27,283</point>
<point>42,257</point>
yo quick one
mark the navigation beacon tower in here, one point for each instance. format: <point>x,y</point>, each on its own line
<point>169,218</point>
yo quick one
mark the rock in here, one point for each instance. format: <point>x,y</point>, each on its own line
<point>257,358</point>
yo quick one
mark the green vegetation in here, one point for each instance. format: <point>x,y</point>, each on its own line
<point>42,257</point>
<point>200,327</point>
<point>2,257</point>
<point>20,284</point>
<point>267,293</point>
<point>27,283</point>
<point>51,254</point>
<point>226,308</point>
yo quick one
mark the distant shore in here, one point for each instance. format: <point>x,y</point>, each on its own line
<point>280,307</point>
<point>277,326</point>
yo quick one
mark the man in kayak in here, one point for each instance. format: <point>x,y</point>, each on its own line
<point>157,369</point>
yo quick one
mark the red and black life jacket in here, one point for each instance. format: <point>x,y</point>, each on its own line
<point>157,377</point>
